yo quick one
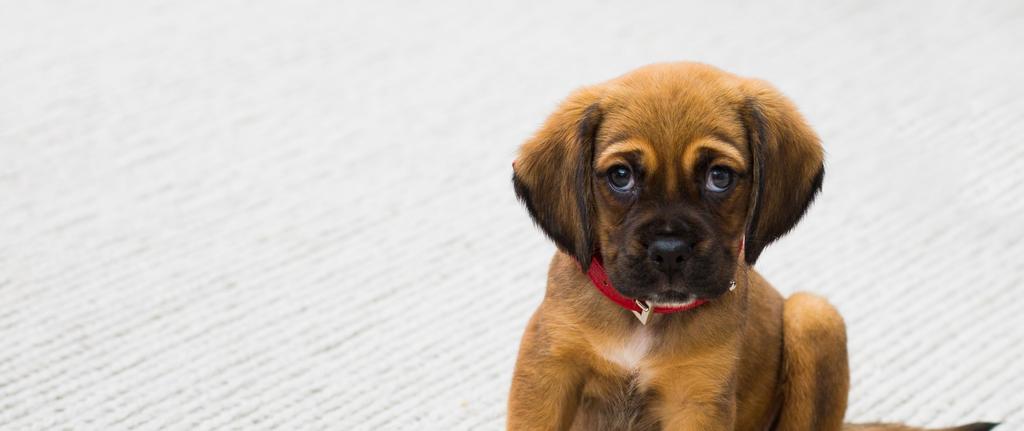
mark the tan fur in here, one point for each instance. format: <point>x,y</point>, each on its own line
<point>616,152</point>
<point>747,360</point>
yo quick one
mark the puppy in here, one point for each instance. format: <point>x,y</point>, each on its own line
<point>661,188</point>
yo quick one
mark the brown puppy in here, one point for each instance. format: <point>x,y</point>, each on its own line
<point>674,177</point>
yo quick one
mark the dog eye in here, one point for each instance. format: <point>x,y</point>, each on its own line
<point>620,178</point>
<point>719,179</point>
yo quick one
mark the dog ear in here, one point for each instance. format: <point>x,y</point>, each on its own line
<point>554,172</point>
<point>788,165</point>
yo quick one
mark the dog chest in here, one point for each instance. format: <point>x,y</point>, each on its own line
<point>628,353</point>
<point>618,396</point>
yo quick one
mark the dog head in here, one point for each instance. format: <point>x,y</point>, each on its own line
<point>665,172</point>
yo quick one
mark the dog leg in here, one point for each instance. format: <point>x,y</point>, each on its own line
<point>717,416</point>
<point>816,374</point>
<point>703,393</point>
<point>545,388</point>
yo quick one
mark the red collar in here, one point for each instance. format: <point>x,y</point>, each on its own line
<point>639,308</point>
<point>604,285</point>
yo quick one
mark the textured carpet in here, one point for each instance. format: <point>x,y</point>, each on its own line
<point>298,215</point>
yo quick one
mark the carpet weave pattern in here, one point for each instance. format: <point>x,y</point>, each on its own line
<point>298,215</point>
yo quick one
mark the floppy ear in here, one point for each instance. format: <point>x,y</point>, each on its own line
<point>554,172</point>
<point>788,165</point>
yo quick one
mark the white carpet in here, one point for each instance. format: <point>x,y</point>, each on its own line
<point>298,215</point>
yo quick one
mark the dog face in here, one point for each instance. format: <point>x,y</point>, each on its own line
<point>664,172</point>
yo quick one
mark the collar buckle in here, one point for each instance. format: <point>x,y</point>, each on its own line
<point>644,313</point>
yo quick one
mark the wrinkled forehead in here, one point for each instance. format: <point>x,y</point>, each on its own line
<point>671,130</point>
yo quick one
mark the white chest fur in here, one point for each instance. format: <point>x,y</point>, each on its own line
<point>629,352</point>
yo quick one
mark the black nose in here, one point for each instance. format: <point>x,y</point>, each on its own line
<point>669,253</point>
